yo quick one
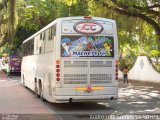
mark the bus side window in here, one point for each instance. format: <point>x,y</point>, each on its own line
<point>54,31</point>
<point>23,50</point>
<point>44,35</point>
<point>32,47</point>
<point>50,34</point>
<point>27,48</point>
<point>41,36</point>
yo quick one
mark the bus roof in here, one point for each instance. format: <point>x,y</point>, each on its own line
<point>68,18</point>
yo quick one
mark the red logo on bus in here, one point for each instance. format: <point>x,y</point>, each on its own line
<point>88,27</point>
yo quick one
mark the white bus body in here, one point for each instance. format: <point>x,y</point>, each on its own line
<point>72,59</point>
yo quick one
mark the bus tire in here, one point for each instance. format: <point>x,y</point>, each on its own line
<point>36,90</point>
<point>41,91</point>
<point>42,98</point>
<point>23,81</point>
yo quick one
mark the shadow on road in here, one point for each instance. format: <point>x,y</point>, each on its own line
<point>134,98</point>
<point>139,97</point>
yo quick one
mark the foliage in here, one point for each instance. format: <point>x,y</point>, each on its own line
<point>155,53</point>
<point>138,22</point>
<point>157,66</point>
<point>35,14</point>
<point>8,20</point>
<point>147,11</point>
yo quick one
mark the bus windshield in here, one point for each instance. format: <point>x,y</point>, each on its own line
<point>87,46</point>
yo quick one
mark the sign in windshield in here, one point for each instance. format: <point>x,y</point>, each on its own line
<point>87,46</point>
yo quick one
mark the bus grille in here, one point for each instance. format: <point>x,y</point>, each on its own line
<point>82,78</point>
<point>100,78</point>
<point>101,64</point>
<point>77,64</point>
<point>75,78</point>
<point>84,72</point>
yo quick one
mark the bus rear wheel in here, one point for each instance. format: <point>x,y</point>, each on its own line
<point>41,97</point>
<point>36,90</point>
<point>41,91</point>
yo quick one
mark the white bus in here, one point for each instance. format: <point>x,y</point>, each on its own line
<point>73,59</point>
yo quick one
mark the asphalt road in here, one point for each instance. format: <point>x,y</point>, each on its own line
<point>140,99</point>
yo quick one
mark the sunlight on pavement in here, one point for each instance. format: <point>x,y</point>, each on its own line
<point>139,92</point>
<point>154,94</point>
<point>156,110</point>
<point>137,102</point>
<point>141,98</point>
<point>7,83</point>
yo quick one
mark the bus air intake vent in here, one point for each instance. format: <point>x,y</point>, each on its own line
<point>75,78</point>
<point>76,64</point>
<point>100,78</point>
<point>101,64</point>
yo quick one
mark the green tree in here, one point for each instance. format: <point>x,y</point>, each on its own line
<point>135,32</point>
<point>8,20</point>
<point>147,10</point>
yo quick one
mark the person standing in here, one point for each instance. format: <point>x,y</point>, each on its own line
<point>125,74</point>
<point>8,69</point>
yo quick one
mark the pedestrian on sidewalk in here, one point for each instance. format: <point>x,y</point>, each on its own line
<point>125,74</point>
<point>8,70</point>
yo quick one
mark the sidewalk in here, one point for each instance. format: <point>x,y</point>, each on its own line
<point>140,83</point>
<point>3,75</point>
